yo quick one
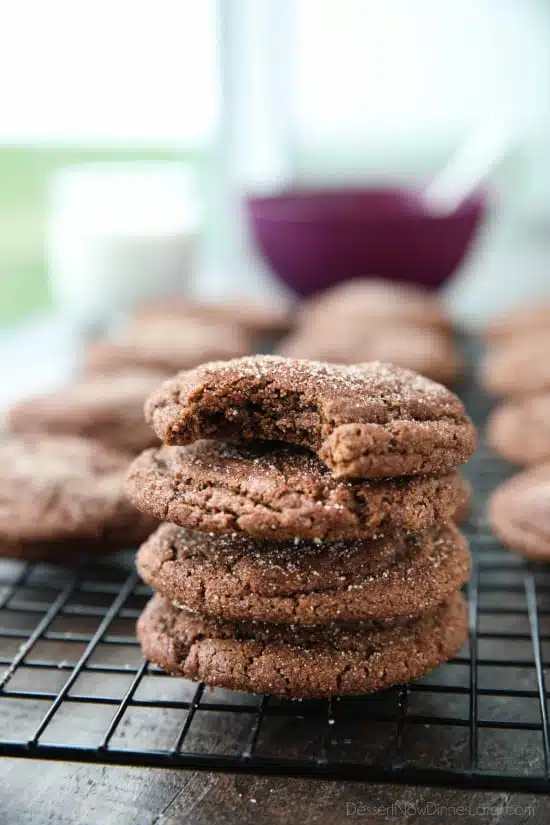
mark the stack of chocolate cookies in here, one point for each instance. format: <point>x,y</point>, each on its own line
<point>309,548</point>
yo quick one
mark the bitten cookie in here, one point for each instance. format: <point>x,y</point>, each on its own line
<point>426,351</point>
<point>519,512</point>
<point>258,319</point>
<point>375,302</point>
<point>167,344</point>
<point>364,421</point>
<point>301,662</point>
<point>62,497</point>
<point>108,408</point>
<point>518,367</point>
<point>520,430</point>
<point>272,491</point>
<point>302,583</point>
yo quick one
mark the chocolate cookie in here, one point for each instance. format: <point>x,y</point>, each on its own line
<point>518,322</point>
<point>518,366</point>
<point>520,430</point>
<point>301,662</point>
<point>426,351</point>
<point>108,408</point>
<point>276,492</point>
<point>167,344</point>
<point>364,421</point>
<point>61,497</point>
<point>519,512</point>
<point>259,319</point>
<point>302,582</point>
<point>375,302</point>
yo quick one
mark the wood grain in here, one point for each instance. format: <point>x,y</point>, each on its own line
<point>50,793</point>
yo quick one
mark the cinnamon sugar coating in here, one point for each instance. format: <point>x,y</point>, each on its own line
<point>301,662</point>
<point>273,491</point>
<point>369,420</point>
<point>305,583</point>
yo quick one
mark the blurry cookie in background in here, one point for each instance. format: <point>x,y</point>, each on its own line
<point>519,429</point>
<point>257,319</point>
<point>517,366</point>
<point>465,506</point>
<point>519,512</point>
<point>426,351</point>
<point>517,322</point>
<point>376,301</point>
<point>108,408</point>
<point>167,345</point>
<point>62,498</point>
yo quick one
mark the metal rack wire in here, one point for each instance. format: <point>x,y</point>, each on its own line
<point>75,686</point>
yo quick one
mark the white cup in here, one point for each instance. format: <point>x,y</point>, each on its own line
<point>119,234</point>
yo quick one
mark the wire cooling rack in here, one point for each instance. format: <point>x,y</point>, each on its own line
<point>75,686</point>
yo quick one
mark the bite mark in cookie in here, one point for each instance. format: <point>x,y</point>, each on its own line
<point>368,420</point>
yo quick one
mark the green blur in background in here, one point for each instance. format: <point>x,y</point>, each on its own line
<point>24,178</point>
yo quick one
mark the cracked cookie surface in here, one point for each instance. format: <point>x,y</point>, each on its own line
<point>367,420</point>
<point>300,582</point>
<point>62,497</point>
<point>271,491</point>
<point>301,662</point>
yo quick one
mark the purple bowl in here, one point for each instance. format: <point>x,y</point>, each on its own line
<point>315,238</point>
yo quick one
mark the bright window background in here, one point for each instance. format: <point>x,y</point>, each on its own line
<point>108,71</point>
<point>98,80</point>
<point>376,88</point>
<point>395,84</point>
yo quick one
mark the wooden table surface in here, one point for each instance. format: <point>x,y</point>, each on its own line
<point>55,793</point>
